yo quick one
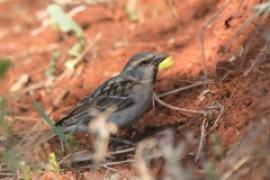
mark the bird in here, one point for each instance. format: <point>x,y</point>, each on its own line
<point>130,94</point>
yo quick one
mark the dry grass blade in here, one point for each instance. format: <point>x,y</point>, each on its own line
<point>144,149</point>
<point>172,155</point>
<point>32,87</point>
<point>115,163</point>
<point>122,151</point>
<point>90,46</point>
<point>103,130</point>
<point>83,156</point>
<point>119,162</point>
<point>112,169</point>
<point>73,63</point>
<point>259,59</point>
<point>235,167</point>
<point>35,50</point>
<point>173,10</point>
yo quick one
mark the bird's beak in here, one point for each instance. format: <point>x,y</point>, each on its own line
<point>159,58</point>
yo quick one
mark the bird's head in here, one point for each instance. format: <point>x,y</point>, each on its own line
<point>143,65</point>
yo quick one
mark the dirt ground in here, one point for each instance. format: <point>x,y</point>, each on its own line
<point>221,40</point>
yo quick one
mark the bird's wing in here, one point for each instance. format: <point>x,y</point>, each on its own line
<point>111,94</point>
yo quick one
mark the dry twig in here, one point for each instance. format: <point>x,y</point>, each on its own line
<point>177,90</point>
<point>177,108</point>
<point>221,111</point>
<point>202,140</point>
<point>260,58</point>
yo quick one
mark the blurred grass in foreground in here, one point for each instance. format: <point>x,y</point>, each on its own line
<point>4,66</point>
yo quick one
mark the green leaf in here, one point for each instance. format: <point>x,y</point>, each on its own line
<point>166,64</point>
<point>63,21</point>
<point>48,121</point>
<point>217,147</point>
<point>3,108</point>
<point>4,124</point>
<point>4,65</point>
<point>51,70</point>
<point>53,163</point>
<point>26,172</point>
<point>209,170</point>
<point>76,49</point>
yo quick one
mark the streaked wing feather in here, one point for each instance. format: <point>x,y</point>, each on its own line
<point>111,94</point>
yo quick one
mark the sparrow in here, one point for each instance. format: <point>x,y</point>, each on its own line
<point>129,93</point>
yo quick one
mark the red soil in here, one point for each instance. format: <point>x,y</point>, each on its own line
<point>225,33</point>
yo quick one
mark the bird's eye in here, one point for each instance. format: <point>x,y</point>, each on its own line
<point>144,62</point>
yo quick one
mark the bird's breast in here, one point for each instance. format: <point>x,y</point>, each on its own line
<point>142,96</point>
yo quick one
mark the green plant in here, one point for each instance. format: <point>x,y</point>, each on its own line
<point>4,66</point>
<point>51,70</point>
